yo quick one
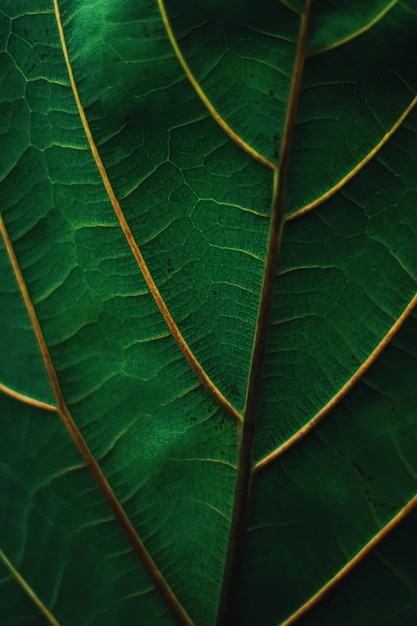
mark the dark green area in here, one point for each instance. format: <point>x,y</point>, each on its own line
<point>198,205</point>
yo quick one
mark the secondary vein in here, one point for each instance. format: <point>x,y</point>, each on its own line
<point>343,391</point>
<point>203,96</point>
<point>160,302</point>
<point>83,448</point>
<point>350,565</point>
<point>358,167</point>
<point>21,397</point>
<point>28,590</point>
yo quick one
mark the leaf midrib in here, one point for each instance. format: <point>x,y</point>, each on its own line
<point>398,323</point>
<point>247,431</point>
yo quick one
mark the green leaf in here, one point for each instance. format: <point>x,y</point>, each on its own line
<point>208,349</point>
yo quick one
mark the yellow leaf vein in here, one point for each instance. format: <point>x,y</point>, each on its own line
<point>346,569</point>
<point>358,32</point>
<point>353,172</point>
<point>176,333</point>
<point>304,430</point>
<point>28,589</point>
<point>21,397</point>
<point>203,97</point>
<point>83,448</point>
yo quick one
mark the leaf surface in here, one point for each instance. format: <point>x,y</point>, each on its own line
<point>208,349</point>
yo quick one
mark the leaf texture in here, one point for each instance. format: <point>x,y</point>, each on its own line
<point>208,345</point>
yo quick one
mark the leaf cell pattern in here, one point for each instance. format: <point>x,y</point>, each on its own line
<point>208,345</point>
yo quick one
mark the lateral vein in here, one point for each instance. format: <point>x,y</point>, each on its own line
<point>304,430</point>
<point>346,569</point>
<point>203,97</point>
<point>21,397</point>
<point>28,590</point>
<point>85,451</point>
<point>343,181</point>
<point>176,333</point>
<point>358,32</point>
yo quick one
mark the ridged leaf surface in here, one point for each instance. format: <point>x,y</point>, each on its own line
<point>208,351</point>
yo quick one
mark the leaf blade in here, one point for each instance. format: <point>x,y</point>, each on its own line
<point>198,207</point>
